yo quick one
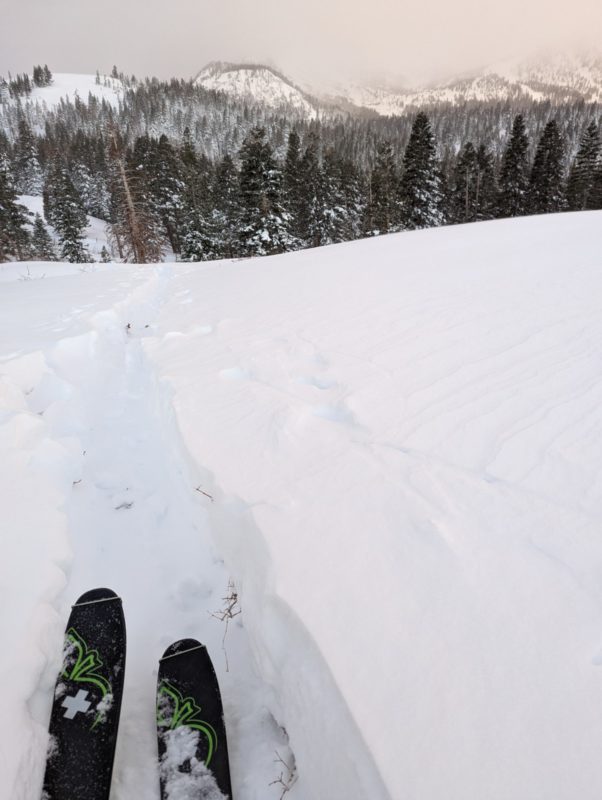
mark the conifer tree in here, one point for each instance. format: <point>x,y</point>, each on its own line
<point>311,210</point>
<point>200,233</point>
<point>264,223</point>
<point>352,194</point>
<point>29,179</point>
<point>134,229</point>
<point>581,177</point>
<point>464,192</point>
<point>420,190</point>
<point>382,211</point>
<point>514,174</point>
<point>164,177</point>
<point>41,242</point>
<point>293,184</point>
<point>226,208</point>
<point>546,185</point>
<point>14,236</point>
<point>67,216</point>
<point>486,189</point>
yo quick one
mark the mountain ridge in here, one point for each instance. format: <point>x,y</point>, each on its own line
<point>564,78</point>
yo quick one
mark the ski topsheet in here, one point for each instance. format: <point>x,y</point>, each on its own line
<point>193,754</point>
<point>87,701</point>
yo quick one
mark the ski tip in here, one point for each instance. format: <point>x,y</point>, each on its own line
<point>180,647</point>
<point>96,596</point>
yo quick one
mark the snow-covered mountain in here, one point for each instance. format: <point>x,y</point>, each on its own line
<point>561,78</point>
<point>394,448</point>
<point>258,84</point>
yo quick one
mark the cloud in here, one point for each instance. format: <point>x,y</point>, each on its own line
<point>319,39</point>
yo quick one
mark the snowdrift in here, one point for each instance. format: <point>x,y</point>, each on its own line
<point>397,447</point>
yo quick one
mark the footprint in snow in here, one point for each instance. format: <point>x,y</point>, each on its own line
<point>317,382</point>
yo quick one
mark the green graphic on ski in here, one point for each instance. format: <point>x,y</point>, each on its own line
<point>193,754</point>
<point>87,701</point>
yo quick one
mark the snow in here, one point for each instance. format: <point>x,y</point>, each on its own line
<point>198,783</point>
<point>68,86</point>
<point>96,236</point>
<point>256,83</point>
<point>391,446</point>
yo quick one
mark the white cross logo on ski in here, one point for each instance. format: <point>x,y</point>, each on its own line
<point>74,705</point>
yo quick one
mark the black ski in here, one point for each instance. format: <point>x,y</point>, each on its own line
<point>193,754</point>
<point>87,701</point>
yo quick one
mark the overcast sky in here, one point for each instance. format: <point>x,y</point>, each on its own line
<point>411,40</point>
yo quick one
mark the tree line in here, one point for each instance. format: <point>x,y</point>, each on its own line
<point>286,187</point>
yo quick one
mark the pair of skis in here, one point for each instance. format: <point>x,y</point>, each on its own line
<point>193,754</point>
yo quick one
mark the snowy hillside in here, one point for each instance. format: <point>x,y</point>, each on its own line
<point>69,86</point>
<point>255,83</point>
<point>394,448</point>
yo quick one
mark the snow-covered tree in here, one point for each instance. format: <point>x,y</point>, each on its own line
<point>582,175</point>
<point>383,209</point>
<point>14,236</point>
<point>135,230</point>
<point>264,228</point>
<point>41,242</point>
<point>546,185</point>
<point>514,174</point>
<point>28,173</point>
<point>420,188</point>
<point>67,216</point>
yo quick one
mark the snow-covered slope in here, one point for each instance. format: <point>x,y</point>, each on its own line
<point>255,83</point>
<point>69,86</point>
<point>399,442</point>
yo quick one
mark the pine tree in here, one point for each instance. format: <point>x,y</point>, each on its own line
<point>28,173</point>
<point>582,174</point>
<point>14,236</point>
<point>383,211</point>
<point>226,208</point>
<point>352,192</point>
<point>41,241</point>
<point>311,211</point>
<point>264,223</point>
<point>514,174</point>
<point>67,216</point>
<point>164,176</point>
<point>420,189</point>
<point>486,189</point>
<point>464,193</point>
<point>546,185</point>
<point>293,184</point>
<point>339,217</point>
<point>105,256</point>
<point>135,229</point>
<point>201,236</point>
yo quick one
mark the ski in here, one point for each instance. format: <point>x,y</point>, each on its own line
<point>193,754</point>
<point>87,701</point>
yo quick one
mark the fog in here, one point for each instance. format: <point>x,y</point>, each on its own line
<point>318,40</point>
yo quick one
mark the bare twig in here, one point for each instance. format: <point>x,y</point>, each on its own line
<point>229,610</point>
<point>287,778</point>
<point>200,491</point>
